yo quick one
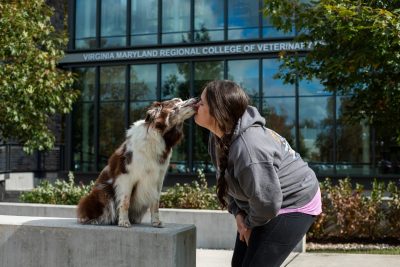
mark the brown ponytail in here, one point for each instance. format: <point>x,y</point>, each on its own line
<point>227,102</point>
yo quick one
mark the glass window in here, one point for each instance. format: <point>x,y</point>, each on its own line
<point>317,130</point>
<point>113,23</point>
<point>208,20</point>
<point>353,143</point>
<point>313,87</point>
<point>243,16</point>
<point>272,86</point>
<point>144,22</point>
<point>175,21</point>
<point>143,89</point>
<point>270,31</point>
<point>246,74</point>
<point>83,119</point>
<point>280,116</point>
<point>112,111</point>
<point>85,24</point>
<point>204,72</point>
<point>175,83</point>
<point>175,80</point>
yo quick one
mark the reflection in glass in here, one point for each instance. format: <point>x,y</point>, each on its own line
<point>85,32</point>
<point>144,22</point>
<point>143,82</point>
<point>138,110</point>
<point>113,23</point>
<point>279,113</point>
<point>271,86</point>
<point>209,20</point>
<point>245,73</point>
<point>112,111</point>
<point>175,80</point>
<point>83,115</point>
<point>316,128</point>
<point>270,31</point>
<point>204,72</point>
<point>313,87</point>
<point>243,18</point>
<point>353,142</point>
<point>175,83</point>
<point>175,21</point>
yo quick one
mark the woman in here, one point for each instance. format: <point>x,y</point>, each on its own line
<point>263,182</point>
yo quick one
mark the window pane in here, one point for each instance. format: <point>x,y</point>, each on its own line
<point>174,80</point>
<point>270,31</point>
<point>204,73</point>
<point>280,116</point>
<point>144,22</point>
<point>112,83</point>
<point>175,21</point>
<point>138,110</point>
<point>316,128</point>
<point>112,111</point>
<point>83,122</point>
<point>243,18</point>
<point>113,23</point>
<point>85,21</point>
<point>245,73</point>
<point>313,87</point>
<point>175,83</point>
<point>209,20</point>
<point>143,82</point>
<point>353,143</point>
<point>271,86</point>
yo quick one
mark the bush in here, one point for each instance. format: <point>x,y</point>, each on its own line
<point>349,214</point>
<point>196,195</point>
<point>61,192</point>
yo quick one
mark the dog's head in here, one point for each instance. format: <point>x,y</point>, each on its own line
<point>169,114</point>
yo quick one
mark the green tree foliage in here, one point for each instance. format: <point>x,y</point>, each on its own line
<point>357,52</point>
<point>32,88</point>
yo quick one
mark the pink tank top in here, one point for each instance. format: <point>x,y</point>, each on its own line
<point>314,207</point>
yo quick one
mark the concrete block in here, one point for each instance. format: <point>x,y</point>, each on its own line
<point>215,229</point>
<point>49,241</point>
<point>20,181</point>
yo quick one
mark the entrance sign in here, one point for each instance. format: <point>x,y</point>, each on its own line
<point>189,51</point>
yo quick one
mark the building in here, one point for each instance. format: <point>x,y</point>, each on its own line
<point>129,53</point>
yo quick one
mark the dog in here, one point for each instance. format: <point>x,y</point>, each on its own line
<point>131,182</point>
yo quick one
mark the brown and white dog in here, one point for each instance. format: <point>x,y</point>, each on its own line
<point>132,181</point>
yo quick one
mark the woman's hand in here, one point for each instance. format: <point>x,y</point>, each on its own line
<point>244,232</point>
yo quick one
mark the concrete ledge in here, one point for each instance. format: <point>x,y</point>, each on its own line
<point>215,229</point>
<point>46,241</point>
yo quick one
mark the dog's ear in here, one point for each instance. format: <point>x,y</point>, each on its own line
<point>153,112</point>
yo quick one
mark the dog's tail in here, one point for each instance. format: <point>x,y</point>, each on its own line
<point>96,208</point>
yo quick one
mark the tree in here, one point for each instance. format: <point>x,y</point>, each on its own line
<point>32,88</point>
<point>356,53</point>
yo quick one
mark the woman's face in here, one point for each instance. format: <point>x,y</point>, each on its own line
<point>203,117</point>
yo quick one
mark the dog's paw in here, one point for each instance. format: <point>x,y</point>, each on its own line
<point>124,223</point>
<point>157,224</point>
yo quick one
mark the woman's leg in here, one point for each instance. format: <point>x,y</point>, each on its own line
<point>271,244</point>
<point>239,252</point>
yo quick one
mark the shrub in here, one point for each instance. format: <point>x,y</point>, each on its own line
<point>61,192</point>
<point>349,214</point>
<point>196,195</point>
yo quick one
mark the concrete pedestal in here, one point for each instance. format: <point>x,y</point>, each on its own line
<point>58,242</point>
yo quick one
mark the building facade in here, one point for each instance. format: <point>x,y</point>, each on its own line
<point>129,53</point>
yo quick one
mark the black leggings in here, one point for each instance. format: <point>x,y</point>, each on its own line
<point>271,244</point>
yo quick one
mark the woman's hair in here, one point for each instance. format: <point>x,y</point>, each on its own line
<point>227,102</point>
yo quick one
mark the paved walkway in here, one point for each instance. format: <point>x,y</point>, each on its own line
<point>222,258</point>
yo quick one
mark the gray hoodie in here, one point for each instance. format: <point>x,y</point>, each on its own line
<point>264,173</point>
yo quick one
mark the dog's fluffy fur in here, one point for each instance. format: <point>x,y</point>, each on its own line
<point>132,181</point>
